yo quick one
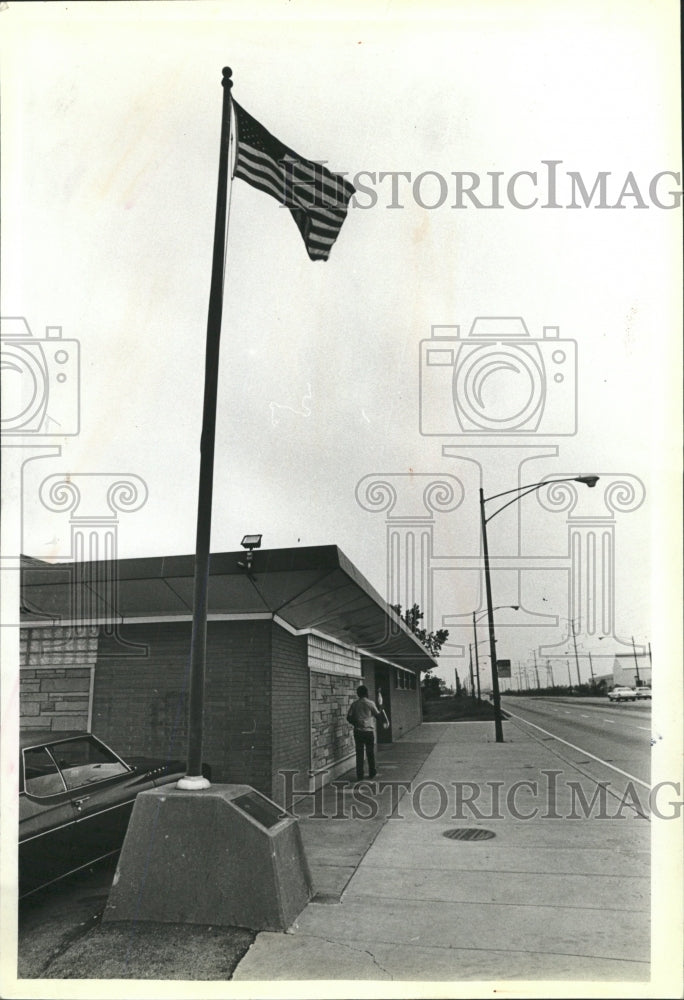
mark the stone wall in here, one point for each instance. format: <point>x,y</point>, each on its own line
<point>56,675</point>
<point>331,735</point>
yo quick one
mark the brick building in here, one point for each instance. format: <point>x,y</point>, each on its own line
<point>105,646</point>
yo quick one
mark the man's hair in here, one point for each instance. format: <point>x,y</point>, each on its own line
<point>362,691</point>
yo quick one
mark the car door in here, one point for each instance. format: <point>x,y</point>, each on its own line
<point>102,789</point>
<point>46,821</point>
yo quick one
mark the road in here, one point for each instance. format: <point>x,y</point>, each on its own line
<point>607,742</point>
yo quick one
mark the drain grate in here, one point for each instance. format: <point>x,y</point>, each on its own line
<point>465,833</point>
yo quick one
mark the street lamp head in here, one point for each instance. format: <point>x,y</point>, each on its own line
<point>589,481</point>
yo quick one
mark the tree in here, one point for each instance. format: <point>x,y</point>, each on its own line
<point>433,641</point>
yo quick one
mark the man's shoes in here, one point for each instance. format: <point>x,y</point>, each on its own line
<point>373,775</point>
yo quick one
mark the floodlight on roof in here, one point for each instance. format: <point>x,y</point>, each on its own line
<point>250,542</point>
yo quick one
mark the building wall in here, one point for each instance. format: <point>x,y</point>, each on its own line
<point>335,676</point>
<point>290,709</point>
<point>625,669</point>
<point>140,702</point>
<point>402,702</point>
<point>272,701</point>
<point>56,677</point>
<point>406,708</point>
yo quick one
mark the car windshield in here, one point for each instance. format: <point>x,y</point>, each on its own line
<point>84,760</point>
<point>41,774</point>
<point>69,764</point>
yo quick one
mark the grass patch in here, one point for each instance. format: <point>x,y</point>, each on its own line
<point>457,710</point>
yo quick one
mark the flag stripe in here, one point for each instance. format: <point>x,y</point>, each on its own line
<point>317,198</point>
<point>253,166</point>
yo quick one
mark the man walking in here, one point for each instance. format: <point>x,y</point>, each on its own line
<point>362,715</point>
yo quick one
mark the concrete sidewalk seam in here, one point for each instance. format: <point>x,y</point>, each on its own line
<point>350,942</point>
<point>359,896</point>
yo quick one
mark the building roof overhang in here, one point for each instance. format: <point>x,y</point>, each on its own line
<point>311,589</point>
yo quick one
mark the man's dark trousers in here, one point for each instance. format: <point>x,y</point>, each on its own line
<point>364,739</point>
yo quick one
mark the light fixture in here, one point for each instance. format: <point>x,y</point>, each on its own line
<point>250,542</point>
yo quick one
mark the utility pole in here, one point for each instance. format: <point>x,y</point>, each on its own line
<point>567,664</point>
<point>549,674</point>
<point>591,668</point>
<point>574,640</point>
<point>534,654</point>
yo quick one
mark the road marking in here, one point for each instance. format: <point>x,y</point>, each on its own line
<point>584,717</point>
<point>574,747</point>
<point>611,722</point>
<point>646,728</point>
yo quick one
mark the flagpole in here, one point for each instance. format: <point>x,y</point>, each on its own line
<point>193,778</point>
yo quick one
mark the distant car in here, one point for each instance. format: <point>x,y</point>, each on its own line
<point>643,692</point>
<point>75,799</point>
<point>622,694</point>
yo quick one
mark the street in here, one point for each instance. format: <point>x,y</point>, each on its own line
<point>607,742</point>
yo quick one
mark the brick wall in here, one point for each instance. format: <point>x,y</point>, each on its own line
<point>140,702</point>
<point>56,666</point>
<point>290,708</point>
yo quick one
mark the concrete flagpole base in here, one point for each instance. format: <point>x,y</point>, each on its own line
<point>224,855</point>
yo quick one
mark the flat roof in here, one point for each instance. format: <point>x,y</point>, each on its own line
<point>309,588</point>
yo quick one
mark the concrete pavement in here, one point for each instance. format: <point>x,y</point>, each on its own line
<point>551,888</point>
<point>560,895</point>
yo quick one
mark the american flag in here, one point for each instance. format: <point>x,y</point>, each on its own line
<point>317,199</point>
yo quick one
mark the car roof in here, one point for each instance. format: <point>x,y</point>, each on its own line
<point>39,737</point>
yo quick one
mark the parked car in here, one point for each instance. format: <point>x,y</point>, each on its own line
<point>622,694</point>
<point>643,692</point>
<point>76,796</point>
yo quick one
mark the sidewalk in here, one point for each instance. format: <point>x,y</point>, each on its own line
<point>541,899</point>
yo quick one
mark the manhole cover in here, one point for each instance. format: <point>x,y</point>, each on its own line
<point>465,833</point>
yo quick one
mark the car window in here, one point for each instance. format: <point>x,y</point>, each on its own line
<point>83,761</point>
<point>41,775</point>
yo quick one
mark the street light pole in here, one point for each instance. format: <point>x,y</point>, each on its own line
<point>636,664</point>
<point>512,607</point>
<point>498,726</point>
<point>520,492</point>
<point>477,656</point>
<point>472,683</point>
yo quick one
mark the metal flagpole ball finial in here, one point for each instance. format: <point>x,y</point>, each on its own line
<point>227,73</point>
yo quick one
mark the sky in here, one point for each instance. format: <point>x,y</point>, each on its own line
<point>111,117</point>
